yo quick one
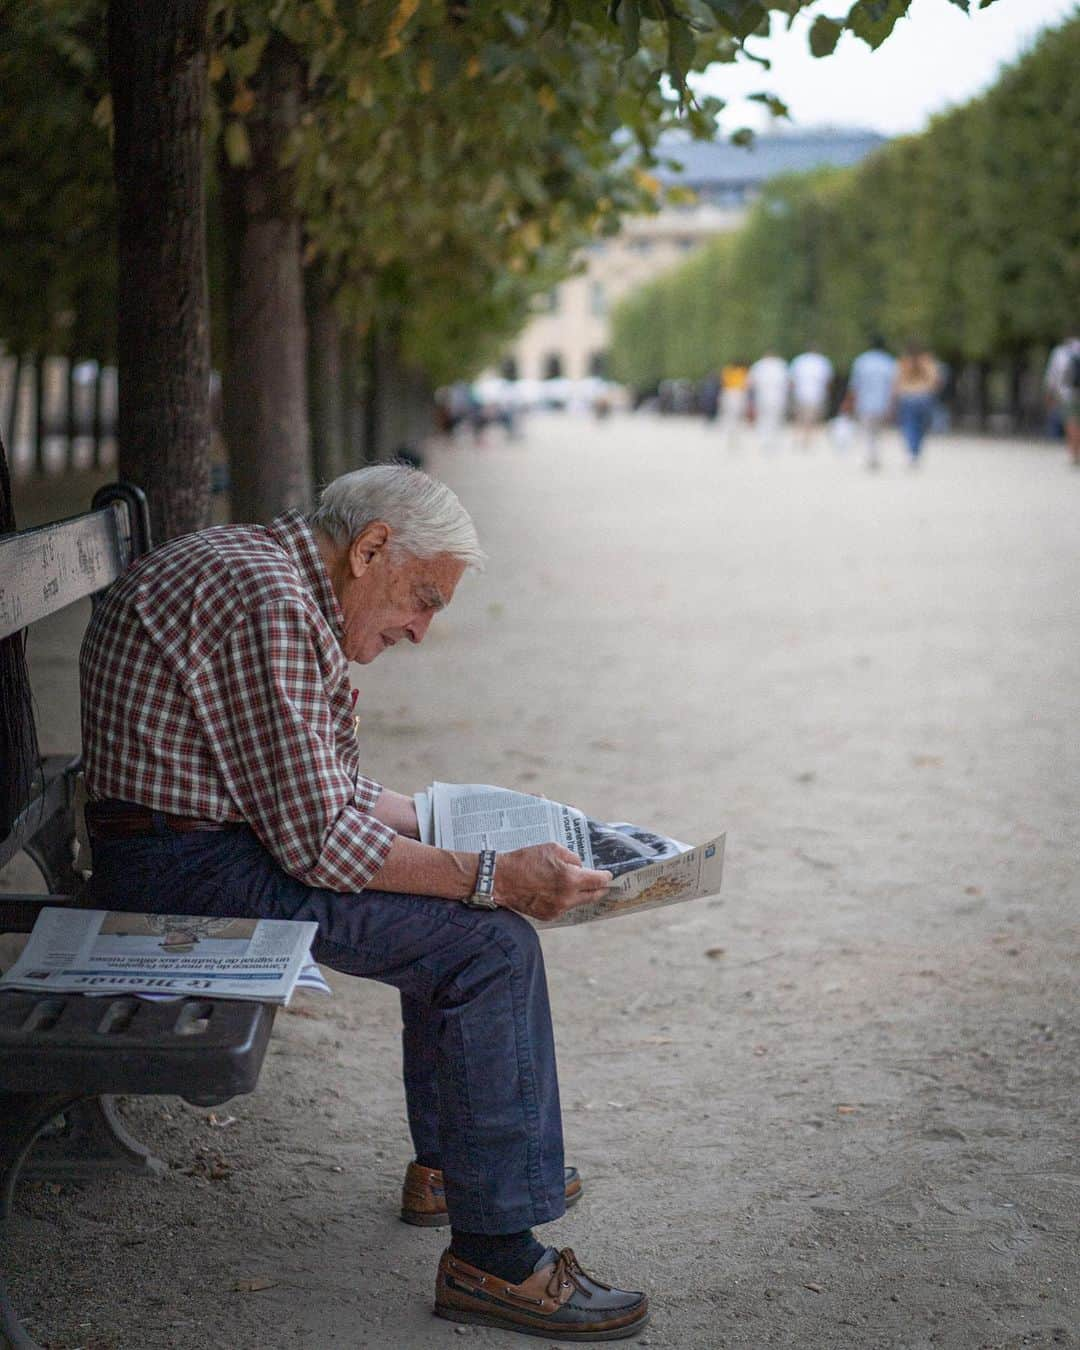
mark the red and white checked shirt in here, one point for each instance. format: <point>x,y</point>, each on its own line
<point>214,685</point>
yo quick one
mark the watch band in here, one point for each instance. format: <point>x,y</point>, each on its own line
<point>483,896</point>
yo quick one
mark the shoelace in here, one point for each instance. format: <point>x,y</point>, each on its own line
<point>567,1270</point>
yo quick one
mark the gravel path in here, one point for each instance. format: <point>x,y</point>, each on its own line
<point>835,1107</point>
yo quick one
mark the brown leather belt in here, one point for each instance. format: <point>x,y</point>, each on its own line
<point>112,822</point>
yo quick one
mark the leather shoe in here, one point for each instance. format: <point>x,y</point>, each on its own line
<point>558,1300</point>
<point>423,1198</point>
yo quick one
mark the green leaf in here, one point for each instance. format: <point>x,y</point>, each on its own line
<point>630,26</point>
<point>681,48</point>
<point>824,35</point>
<point>741,18</point>
<point>775,105</point>
<point>874,20</point>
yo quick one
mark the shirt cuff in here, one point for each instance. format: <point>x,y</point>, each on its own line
<point>353,851</point>
<point>366,793</point>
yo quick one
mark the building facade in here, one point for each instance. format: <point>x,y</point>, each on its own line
<point>569,333</point>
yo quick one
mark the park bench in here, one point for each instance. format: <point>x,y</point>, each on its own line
<point>62,1057</point>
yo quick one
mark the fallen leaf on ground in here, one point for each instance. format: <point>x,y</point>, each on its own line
<point>814,1288</point>
<point>252,1286</point>
<point>845,1110</point>
<point>714,952</point>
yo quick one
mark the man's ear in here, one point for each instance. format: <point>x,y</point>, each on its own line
<point>369,546</point>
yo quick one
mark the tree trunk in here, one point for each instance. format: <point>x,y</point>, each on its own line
<point>982,395</point>
<point>18,738</point>
<point>265,393</point>
<point>400,417</point>
<point>157,72</point>
<point>326,379</point>
<point>354,388</point>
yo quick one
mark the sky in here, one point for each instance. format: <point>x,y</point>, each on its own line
<point>937,57</point>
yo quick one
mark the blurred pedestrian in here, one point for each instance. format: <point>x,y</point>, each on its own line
<point>769,385</point>
<point>811,375</point>
<point>1060,390</point>
<point>918,379</point>
<point>734,384</point>
<point>708,396</point>
<point>869,397</point>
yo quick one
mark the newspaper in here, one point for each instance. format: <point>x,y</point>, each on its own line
<point>96,951</point>
<point>649,869</point>
<point>475,816</point>
<point>686,876</point>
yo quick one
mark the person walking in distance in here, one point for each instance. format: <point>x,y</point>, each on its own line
<point>918,379</point>
<point>734,377</point>
<point>769,390</point>
<point>869,396</point>
<point>811,379</point>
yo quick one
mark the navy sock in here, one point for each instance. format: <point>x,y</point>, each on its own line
<point>430,1160</point>
<point>510,1256</point>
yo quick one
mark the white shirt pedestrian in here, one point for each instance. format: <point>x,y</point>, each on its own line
<point>769,384</point>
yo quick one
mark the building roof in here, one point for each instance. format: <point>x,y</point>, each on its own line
<point>718,164</point>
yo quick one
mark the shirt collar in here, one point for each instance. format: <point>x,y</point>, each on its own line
<point>292,532</point>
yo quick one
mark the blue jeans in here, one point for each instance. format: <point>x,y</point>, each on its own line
<point>915,412</point>
<point>479,1057</point>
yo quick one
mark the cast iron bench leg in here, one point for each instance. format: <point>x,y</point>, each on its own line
<point>91,1139</point>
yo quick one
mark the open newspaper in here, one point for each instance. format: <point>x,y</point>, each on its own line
<point>97,951</point>
<point>649,869</point>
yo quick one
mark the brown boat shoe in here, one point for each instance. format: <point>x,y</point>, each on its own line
<point>423,1198</point>
<point>558,1300</point>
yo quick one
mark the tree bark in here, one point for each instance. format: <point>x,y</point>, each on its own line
<point>265,388</point>
<point>18,737</point>
<point>158,76</point>
<point>326,380</point>
<point>400,404</point>
<point>355,379</point>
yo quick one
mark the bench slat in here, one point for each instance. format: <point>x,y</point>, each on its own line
<point>46,569</point>
<point>209,1049</point>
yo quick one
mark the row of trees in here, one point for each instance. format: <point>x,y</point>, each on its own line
<point>386,184</point>
<point>967,236</point>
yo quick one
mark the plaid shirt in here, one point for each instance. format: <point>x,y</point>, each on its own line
<point>214,685</point>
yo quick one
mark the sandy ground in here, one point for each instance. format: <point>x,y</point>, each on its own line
<point>835,1107</point>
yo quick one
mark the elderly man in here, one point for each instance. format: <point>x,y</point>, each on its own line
<point>224,778</point>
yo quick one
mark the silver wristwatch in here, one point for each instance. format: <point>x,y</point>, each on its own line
<point>483,896</point>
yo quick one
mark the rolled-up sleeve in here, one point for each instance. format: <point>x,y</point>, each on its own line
<point>262,702</point>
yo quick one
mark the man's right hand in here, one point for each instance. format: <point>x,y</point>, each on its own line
<point>545,880</point>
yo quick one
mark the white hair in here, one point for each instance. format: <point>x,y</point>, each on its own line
<point>425,515</point>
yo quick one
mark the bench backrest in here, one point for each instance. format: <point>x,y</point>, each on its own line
<point>42,571</point>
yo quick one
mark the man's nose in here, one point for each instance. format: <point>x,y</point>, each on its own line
<point>417,629</point>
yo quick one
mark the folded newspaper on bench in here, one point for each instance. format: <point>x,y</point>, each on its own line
<point>97,951</point>
<point>649,869</point>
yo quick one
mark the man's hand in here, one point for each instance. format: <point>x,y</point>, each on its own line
<point>545,880</point>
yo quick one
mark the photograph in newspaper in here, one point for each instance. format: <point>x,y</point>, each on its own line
<point>669,881</point>
<point>100,951</point>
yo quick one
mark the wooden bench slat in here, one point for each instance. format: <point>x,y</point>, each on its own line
<point>45,569</point>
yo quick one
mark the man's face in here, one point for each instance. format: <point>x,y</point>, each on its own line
<point>389,597</point>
